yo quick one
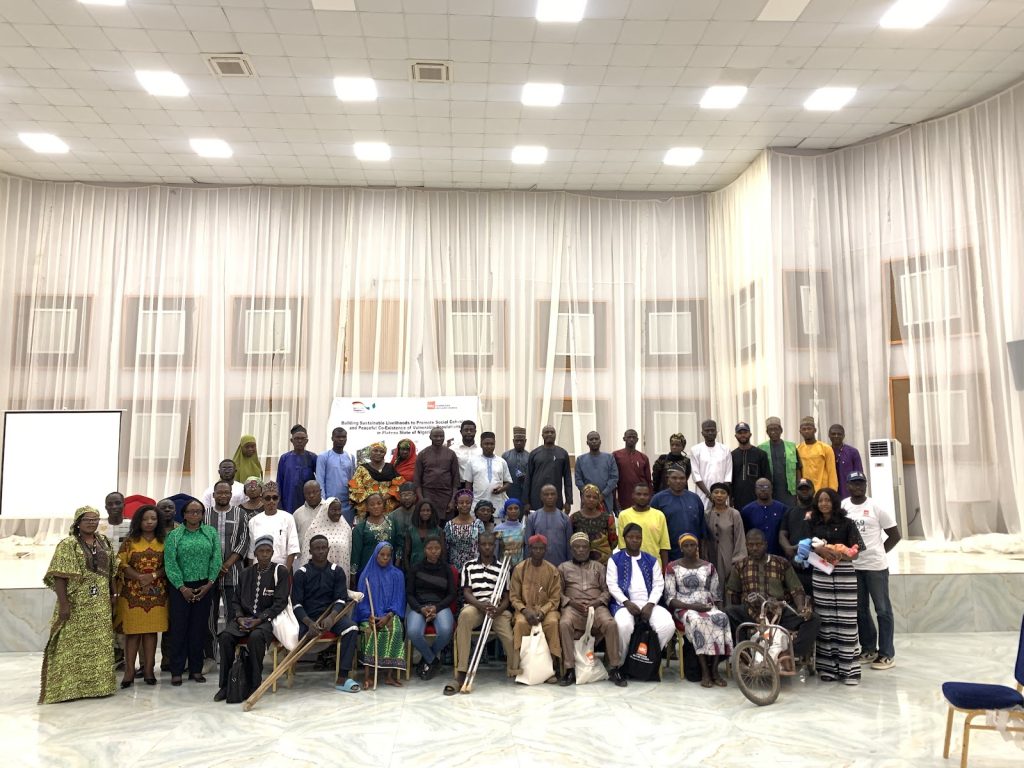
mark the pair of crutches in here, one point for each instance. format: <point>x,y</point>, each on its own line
<point>485,629</point>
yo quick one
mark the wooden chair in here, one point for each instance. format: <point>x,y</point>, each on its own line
<point>278,651</point>
<point>976,700</point>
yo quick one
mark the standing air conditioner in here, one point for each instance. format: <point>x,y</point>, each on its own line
<point>886,476</point>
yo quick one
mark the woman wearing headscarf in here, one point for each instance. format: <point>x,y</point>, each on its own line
<point>725,540</point>
<point>384,587</point>
<point>403,459</point>
<point>247,461</point>
<point>253,503</point>
<point>375,476</point>
<point>78,662</point>
<point>374,528</point>
<point>593,519</point>
<point>331,524</point>
<point>676,455</point>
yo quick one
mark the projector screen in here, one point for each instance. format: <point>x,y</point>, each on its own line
<point>57,461</point>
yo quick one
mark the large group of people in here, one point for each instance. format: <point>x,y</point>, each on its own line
<point>689,543</point>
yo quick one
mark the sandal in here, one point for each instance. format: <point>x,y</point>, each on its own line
<point>719,682</point>
<point>450,690</point>
<point>705,682</point>
<point>349,686</point>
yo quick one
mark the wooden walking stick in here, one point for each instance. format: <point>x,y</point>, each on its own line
<point>292,658</point>
<point>373,627</point>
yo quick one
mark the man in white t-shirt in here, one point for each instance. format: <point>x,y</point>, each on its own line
<point>877,527</point>
<point>467,448</point>
<point>488,474</point>
<point>711,461</point>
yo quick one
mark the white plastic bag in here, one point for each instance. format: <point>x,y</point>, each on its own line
<point>535,658</point>
<point>589,668</point>
<point>286,626</point>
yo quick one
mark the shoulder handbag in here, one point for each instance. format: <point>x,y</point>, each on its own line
<point>286,626</point>
<point>239,686</point>
<point>589,668</point>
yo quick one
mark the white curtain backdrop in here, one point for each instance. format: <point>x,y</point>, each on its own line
<point>209,313</point>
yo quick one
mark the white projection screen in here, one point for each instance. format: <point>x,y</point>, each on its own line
<point>57,461</point>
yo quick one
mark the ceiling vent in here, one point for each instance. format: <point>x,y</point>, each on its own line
<point>431,72</point>
<point>230,65</point>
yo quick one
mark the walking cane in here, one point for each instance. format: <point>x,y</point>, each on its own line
<point>373,627</point>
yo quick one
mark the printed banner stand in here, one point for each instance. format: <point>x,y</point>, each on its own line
<point>390,419</point>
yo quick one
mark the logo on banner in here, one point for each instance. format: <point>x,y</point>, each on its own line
<point>433,405</point>
<point>358,406</point>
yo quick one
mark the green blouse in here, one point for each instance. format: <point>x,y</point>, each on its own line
<point>192,555</point>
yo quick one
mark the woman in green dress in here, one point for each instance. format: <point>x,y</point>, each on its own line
<point>79,658</point>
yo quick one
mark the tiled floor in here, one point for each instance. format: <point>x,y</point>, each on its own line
<point>894,718</point>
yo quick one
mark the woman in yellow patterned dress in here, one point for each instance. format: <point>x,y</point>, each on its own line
<point>142,603</point>
<point>79,658</point>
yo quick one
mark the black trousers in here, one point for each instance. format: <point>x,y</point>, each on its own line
<point>806,631</point>
<point>349,634</point>
<point>259,639</point>
<point>189,625</point>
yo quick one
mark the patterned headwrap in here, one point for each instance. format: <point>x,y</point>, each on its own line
<point>595,489</point>
<point>463,492</point>
<point>79,514</point>
<point>677,436</point>
<point>379,444</point>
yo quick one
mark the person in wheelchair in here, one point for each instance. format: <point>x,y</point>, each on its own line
<point>773,577</point>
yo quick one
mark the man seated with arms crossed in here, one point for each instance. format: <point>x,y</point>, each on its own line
<point>479,577</point>
<point>319,585</point>
<point>772,577</point>
<point>585,585</point>
<point>536,593</point>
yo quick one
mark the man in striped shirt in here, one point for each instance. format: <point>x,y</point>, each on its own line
<point>232,526</point>
<point>479,577</point>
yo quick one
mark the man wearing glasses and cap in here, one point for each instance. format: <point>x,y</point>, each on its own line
<point>749,464</point>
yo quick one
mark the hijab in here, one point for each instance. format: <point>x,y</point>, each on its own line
<point>407,468</point>
<point>247,466</point>
<point>338,535</point>
<point>387,585</point>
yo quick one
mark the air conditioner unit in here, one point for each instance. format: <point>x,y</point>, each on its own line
<point>886,475</point>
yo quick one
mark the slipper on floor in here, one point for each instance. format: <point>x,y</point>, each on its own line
<point>349,686</point>
<point>450,690</point>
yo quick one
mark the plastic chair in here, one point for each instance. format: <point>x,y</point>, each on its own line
<point>977,699</point>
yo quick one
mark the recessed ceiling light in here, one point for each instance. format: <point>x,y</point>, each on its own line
<point>543,94</point>
<point>783,10</point>
<point>911,14</point>
<point>103,2</point>
<point>529,155</point>
<point>372,151</point>
<point>561,10</point>
<point>723,96</point>
<point>161,83</point>
<point>683,155</point>
<point>211,148</point>
<point>355,88</point>
<point>829,99</point>
<point>45,143</point>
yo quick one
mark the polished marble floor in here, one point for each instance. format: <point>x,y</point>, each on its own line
<point>893,719</point>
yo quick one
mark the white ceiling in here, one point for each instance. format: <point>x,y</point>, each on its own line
<point>634,72</point>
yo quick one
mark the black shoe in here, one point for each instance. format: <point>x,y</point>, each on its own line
<point>421,670</point>
<point>616,676</point>
<point>569,678</point>
<point>220,695</point>
<point>150,680</point>
<point>127,683</point>
<point>431,670</point>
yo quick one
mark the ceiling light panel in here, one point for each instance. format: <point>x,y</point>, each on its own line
<point>372,151</point>
<point>216,148</point>
<point>103,2</point>
<point>162,83</point>
<point>911,14</point>
<point>44,143</point>
<point>829,99</point>
<point>529,155</point>
<point>783,10</point>
<point>542,94</point>
<point>566,11</point>
<point>723,96</point>
<point>683,156</point>
<point>355,88</point>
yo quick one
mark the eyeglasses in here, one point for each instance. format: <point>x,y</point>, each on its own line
<point>271,498</point>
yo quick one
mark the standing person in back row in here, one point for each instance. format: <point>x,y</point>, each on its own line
<point>817,461</point>
<point>294,469</point>
<point>711,461</point>
<point>749,464</point>
<point>226,471</point>
<point>517,458</point>
<point>437,474</point>
<point>549,465</point>
<point>597,468</point>
<point>847,458</point>
<point>334,469</point>
<point>466,448</point>
<point>488,475</point>
<point>783,461</point>
<point>878,528</point>
<point>634,467</point>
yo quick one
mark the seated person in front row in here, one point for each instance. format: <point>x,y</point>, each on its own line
<point>585,586</point>
<point>430,594</point>
<point>636,583</point>
<point>261,594</point>
<point>536,593</point>
<point>479,577</point>
<point>319,585</point>
<point>380,615</point>
<point>772,577</point>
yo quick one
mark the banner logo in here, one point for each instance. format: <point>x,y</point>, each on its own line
<point>358,406</point>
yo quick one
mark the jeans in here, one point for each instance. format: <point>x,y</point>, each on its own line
<point>876,585</point>
<point>415,625</point>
